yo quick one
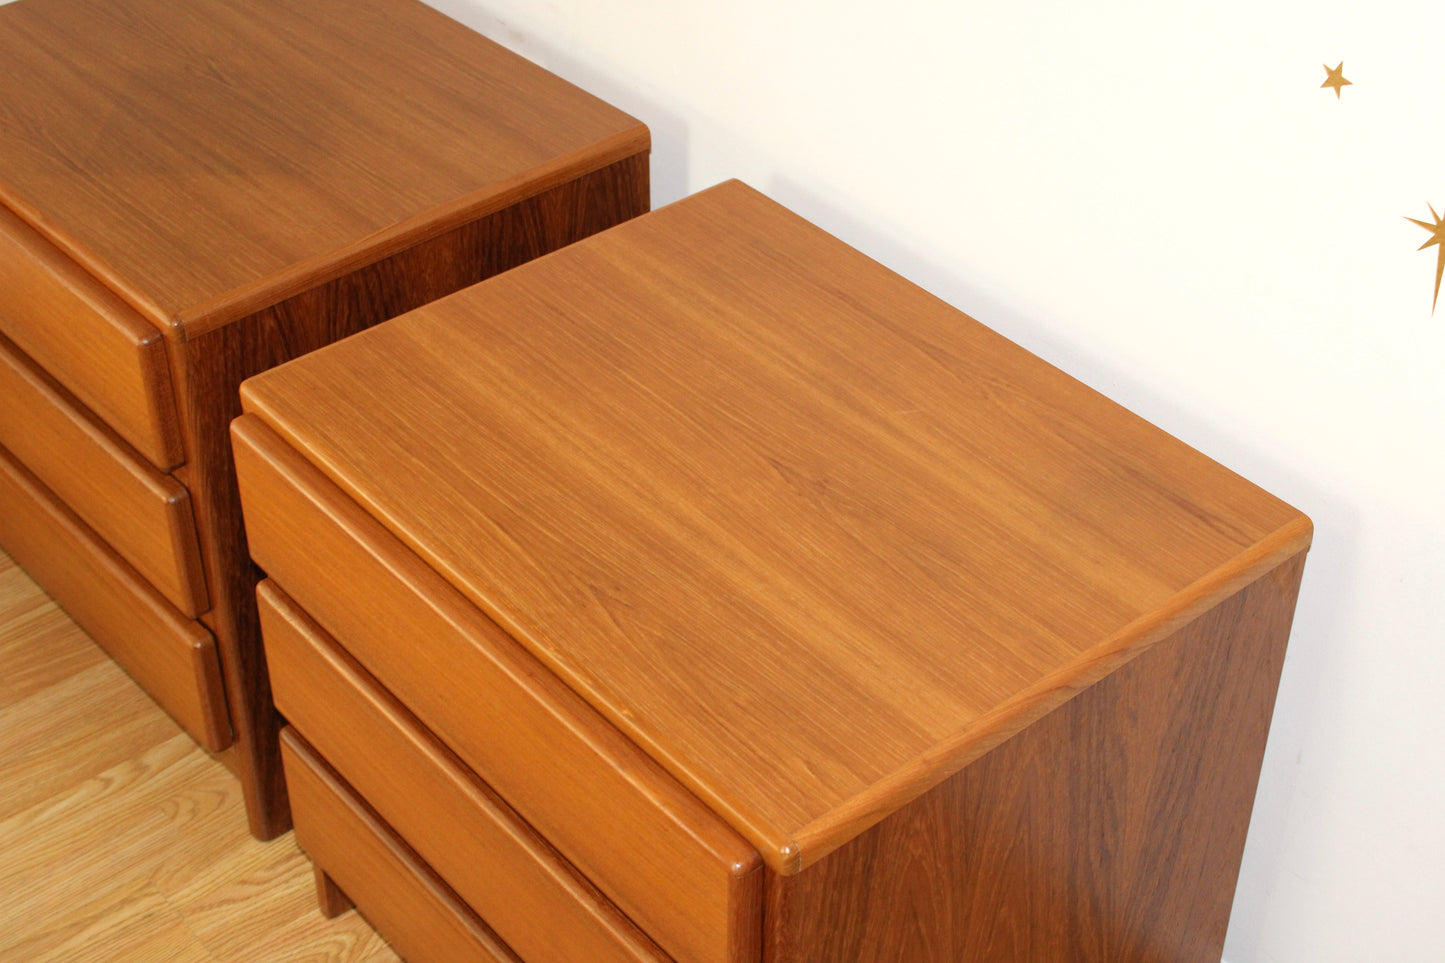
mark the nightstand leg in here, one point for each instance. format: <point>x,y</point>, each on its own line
<point>332,900</point>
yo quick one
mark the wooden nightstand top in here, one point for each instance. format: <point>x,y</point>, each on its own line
<point>809,536</point>
<point>208,159</point>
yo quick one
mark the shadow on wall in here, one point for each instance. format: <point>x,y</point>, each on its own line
<point>1323,616</point>
<point>1328,595</point>
<point>669,132</point>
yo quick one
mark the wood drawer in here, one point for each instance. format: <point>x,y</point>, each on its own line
<point>664,859</point>
<point>416,912</point>
<point>538,904</point>
<point>172,657</point>
<point>110,357</point>
<point>143,513</point>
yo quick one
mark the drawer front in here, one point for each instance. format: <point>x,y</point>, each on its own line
<point>398,895</point>
<point>172,657</point>
<point>89,340</point>
<point>663,858</point>
<point>143,513</point>
<point>496,863</point>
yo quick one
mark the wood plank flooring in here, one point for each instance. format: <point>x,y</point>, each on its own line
<point>120,838</point>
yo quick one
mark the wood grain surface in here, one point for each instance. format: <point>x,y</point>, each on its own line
<point>330,898</point>
<point>663,858</point>
<point>123,840</point>
<point>497,864</point>
<point>1110,831</point>
<point>172,656</point>
<point>810,537</point>
<point>140,511</point>
<point>352,129</point>
<point>223,187</point>
<point>390,884</point>
<point>92,342</point>
<point>209,368</point>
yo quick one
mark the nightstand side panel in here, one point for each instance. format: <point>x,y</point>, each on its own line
<point>1129,853</point>
<point>210,369</point>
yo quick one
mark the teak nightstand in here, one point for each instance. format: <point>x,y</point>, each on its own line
<point>193,192</point>
<point>705,591</point>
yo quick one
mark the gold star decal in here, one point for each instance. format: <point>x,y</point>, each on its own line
<point>1437,238</point>
<point>1336,78</point>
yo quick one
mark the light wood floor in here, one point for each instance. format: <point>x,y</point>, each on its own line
<point>120,839</point>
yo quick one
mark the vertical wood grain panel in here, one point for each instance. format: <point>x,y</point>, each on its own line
<point>1108,832</point>
<point>209,371</point>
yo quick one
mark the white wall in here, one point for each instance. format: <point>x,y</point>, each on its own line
<point>1160,199</point>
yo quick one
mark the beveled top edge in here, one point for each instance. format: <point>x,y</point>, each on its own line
<point>243,195</point>
<point>789,846</point>
<point>834,829</point>
<point>247,300</point>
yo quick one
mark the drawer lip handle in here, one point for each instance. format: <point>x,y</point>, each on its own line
<point>295,750</point>
<point>140,511</point>
<point>174,658</point>
<point>89,339</point>
<point>360,583</point>
<point>332,702</point>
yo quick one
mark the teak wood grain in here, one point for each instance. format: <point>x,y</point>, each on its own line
<point>141,512</point>
<point>174,658</point>
<point>541,907</point>
<point>670,864</point>
<point>95,344</point>
<point>211,367</point>
<point>390,885</point>
<point>223,187</point>
<point>330,898</point>
<point>808,536</point>
<point>1107,832</point>
<point>349,130</point>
